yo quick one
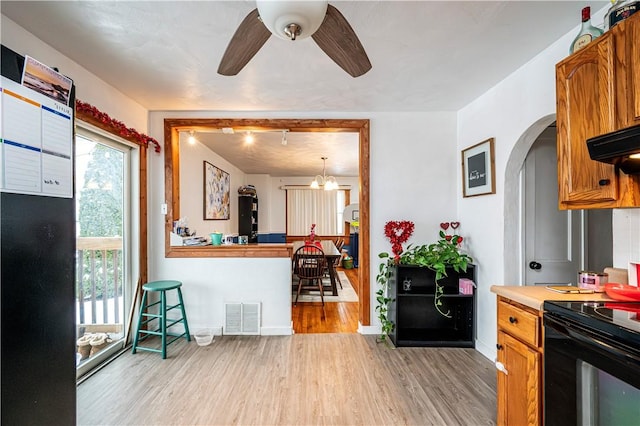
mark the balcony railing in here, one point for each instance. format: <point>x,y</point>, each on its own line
<point>99,285</point>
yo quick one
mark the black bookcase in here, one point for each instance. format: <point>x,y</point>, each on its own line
<point>248,217</point>
<point>413,313</point>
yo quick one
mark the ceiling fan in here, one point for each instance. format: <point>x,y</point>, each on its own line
<point>296,20</point>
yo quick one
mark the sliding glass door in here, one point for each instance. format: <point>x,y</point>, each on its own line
<point>103,273</point>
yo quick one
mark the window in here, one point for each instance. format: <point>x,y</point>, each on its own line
<point>307,206</point>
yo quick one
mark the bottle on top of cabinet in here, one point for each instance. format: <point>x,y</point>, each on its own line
<point>619,11</point>
<point>587,33</point>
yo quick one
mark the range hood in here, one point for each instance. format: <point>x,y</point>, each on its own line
<point>621,148</point>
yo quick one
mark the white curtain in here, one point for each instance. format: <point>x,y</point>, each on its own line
<point>308,206</point>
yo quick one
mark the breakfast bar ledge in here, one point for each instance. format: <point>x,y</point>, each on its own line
<point>232,250</point>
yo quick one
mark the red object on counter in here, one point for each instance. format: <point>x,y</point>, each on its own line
<point>624,292</point>
<point>628,307</point>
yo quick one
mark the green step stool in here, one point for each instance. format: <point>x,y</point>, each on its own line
<point>147,317</point>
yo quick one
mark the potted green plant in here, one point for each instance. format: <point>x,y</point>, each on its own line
<point>441,257</point>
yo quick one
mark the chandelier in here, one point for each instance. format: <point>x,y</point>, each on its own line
<point>327,182</point>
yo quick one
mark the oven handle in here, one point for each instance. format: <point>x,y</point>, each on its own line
<point>586,335</point>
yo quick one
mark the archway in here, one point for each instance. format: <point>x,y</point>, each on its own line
<point>512,249</point>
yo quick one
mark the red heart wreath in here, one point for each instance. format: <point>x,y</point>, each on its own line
<point>398,232</point>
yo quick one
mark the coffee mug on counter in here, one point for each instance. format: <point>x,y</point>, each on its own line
<point>216,238</point>
<point>243,239</point>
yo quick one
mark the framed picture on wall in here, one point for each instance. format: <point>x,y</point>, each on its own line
<point>217,184</point>
<point>478,169</point>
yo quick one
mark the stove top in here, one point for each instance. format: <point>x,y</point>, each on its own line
<point>618,319</point>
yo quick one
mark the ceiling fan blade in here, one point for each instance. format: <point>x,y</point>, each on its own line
<point>338,40</point>
<point>250,36</point>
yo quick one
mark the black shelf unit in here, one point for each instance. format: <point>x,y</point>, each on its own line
<point>413,313</point>
<point>248,217</point>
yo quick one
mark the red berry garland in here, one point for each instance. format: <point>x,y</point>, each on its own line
<point>116,126</point>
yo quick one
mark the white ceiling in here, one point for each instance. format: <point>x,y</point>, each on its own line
<point>426,55</point>
<point>301,156</point>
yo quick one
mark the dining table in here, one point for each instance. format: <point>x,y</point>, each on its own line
<point>332,255</point>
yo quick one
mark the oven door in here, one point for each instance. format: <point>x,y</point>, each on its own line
<point>589,377</point>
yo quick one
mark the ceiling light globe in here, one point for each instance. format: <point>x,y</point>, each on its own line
<point>277,15</point>
<point>330,184</point>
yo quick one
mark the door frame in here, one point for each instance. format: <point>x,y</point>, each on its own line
<point>514,261</point>
<point>513,232</point>
<point>173,126</point>
<point>132,220</point>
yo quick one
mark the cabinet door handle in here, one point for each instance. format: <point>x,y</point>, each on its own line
<point>499,346</point>
<point>500,367</point>
<point>513,320</point>
<point>535,265</point>
<point>604,182</point>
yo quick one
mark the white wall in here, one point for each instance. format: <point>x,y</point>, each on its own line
<point>626,237</point>
<point>192,157</point>
<point>412,178</point>
<point>89,88</point>
<point>514,112</point>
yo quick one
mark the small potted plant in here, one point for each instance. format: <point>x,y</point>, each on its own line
<point>442,257</point>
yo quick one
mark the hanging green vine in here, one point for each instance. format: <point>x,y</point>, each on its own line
<point>398,232</point>
<point>382,296</point>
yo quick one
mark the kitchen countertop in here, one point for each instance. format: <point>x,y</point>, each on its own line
<point>534,296</point>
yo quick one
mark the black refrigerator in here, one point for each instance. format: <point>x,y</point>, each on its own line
<point>37,245</point>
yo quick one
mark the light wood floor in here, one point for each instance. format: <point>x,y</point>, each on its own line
<point>304,379</point>
<point>338,317</point>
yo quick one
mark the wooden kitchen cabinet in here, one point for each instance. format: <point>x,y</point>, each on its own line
<point>628,72</point>
<point>598,92</point>
<point>519,381</point>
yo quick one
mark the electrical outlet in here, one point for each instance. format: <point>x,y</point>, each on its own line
<point>163,208</point>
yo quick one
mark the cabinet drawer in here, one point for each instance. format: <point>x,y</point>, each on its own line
<point>519,323</point>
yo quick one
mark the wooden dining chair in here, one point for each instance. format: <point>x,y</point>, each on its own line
<point>339,243</point>
<point>310,264</point>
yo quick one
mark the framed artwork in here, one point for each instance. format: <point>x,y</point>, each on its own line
<point>478,169</point>
<point>217,186</point>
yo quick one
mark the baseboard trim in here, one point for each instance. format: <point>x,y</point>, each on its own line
<point>369,329</point>
<point>277,331</point>
<point>487,351</point>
